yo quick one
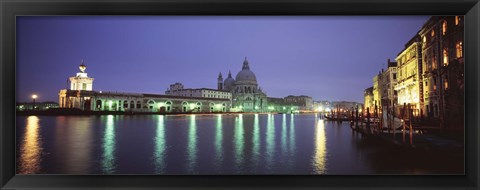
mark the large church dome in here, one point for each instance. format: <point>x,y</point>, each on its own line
<point>246,75</point>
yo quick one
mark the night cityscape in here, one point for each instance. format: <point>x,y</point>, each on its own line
<point>240,95</point>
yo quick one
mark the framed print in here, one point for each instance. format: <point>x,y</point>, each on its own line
<point>181,94</point>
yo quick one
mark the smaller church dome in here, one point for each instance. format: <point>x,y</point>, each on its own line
<point>229,81</point>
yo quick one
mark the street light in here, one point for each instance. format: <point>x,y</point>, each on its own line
<point>34,96</point>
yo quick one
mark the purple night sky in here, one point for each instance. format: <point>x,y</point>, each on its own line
<point>325,57</point>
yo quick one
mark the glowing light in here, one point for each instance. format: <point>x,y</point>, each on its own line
<point>218,142</point>
<point>30,148</point>
<point>320,109</point>
<point>239,142</point>
<point>108,157</point>
<point>256,107</point>
<point>160,146</point>
<point>284,108</point>
<point>34,96</point>
<point>256,140</point>
<point>192,145</point>
<point>270,140</point>
<point>328,110</point>
<point>319,158</point>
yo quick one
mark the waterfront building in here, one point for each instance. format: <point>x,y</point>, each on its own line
<point>387,84</point>
<point>24,106</point>
<point>279,105</point>
<point>178,89</point>
<point>346,106</point>
<point>247,96</point>
<point>409,67</point>
<point>304,103</point>
<point>322,106</point>
<point>90,100</point>
<point>369,101</point>
<point>376,90</point>
<point>443,72</point>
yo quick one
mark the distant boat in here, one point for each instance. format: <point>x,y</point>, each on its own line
<point>337,119</point>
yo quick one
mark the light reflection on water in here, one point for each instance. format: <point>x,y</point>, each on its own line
<point>319,158</point>
<point>31,149</point>
<point>192,145</point>
<point>239,142</point>
<point>108,162</point>
<point>197,144</point>
<point>218,142</point>
<point>160,146</point>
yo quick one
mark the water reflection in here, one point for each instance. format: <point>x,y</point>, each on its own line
<point>270,149</point>
<point>218,142</point>
<point>108,161</point>
<point>319,158</point>
<point>77,137</point>
<point>192,145</point>
<point>239,142</point>
<point>31,148</point>
<point>160,146</point>
<point>291,147</point>
<point>284,136</point>
<point>256,141</point>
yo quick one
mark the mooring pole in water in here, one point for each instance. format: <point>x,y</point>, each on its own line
<point>356,117</point>
<point>368,120</point>
<point>403,118</point>
<point>393,120</point>
<point>411,127</point>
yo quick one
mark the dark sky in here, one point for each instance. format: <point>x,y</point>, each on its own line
<point>325,57</point>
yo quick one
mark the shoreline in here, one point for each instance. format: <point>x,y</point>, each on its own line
<point>78,112</point>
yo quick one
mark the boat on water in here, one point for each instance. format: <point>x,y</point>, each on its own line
<point>337,119</point>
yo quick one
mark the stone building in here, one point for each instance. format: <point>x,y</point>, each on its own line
<point>247,96</point>
<point>178,89</point>
<point>388,82</point>
<point>409,67</point>
<point>369,101</point>
<point>304,103</point>
<point>88,99</point>
<point>443,70</point>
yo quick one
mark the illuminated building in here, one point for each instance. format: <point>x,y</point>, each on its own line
<point>409,64</point>
<point>443,70</point>
<point>178,90</point>
<point>369,101</point>
<point>387,84</point>
<point>376,90</point>
<point>247,96</point>
<point>38,106</point>
<point>84,98</point>
<point>304,103</point>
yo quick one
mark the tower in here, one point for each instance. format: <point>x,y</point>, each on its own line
<point>220,81</point>
<point>81,81</point>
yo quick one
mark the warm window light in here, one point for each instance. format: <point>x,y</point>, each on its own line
<point>457,20</point>
<point>432,33</point>
<point>424,39</point>
<point>445,57</point>
<point>446,84</point>
<point>444,27</point>
<point>459,49</point>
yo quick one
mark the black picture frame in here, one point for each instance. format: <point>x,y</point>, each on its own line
<point>11,8</point>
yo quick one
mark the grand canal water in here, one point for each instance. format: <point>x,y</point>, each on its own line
<point>209,144</point>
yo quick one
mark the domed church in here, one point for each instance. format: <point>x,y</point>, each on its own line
<point>247,96</point>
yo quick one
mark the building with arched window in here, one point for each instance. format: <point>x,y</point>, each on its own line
<point>82,96</point>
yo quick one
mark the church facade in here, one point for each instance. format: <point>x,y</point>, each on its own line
<point>247,96</point>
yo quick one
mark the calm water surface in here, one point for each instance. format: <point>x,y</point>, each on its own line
<point>207,144</point>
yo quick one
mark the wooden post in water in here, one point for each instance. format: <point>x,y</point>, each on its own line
<point>356,117</point>
<point>393,122</point>
<point>404,123</point>
<point>368,120</point>
<point>411,127</point>
<point>388,118</point>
